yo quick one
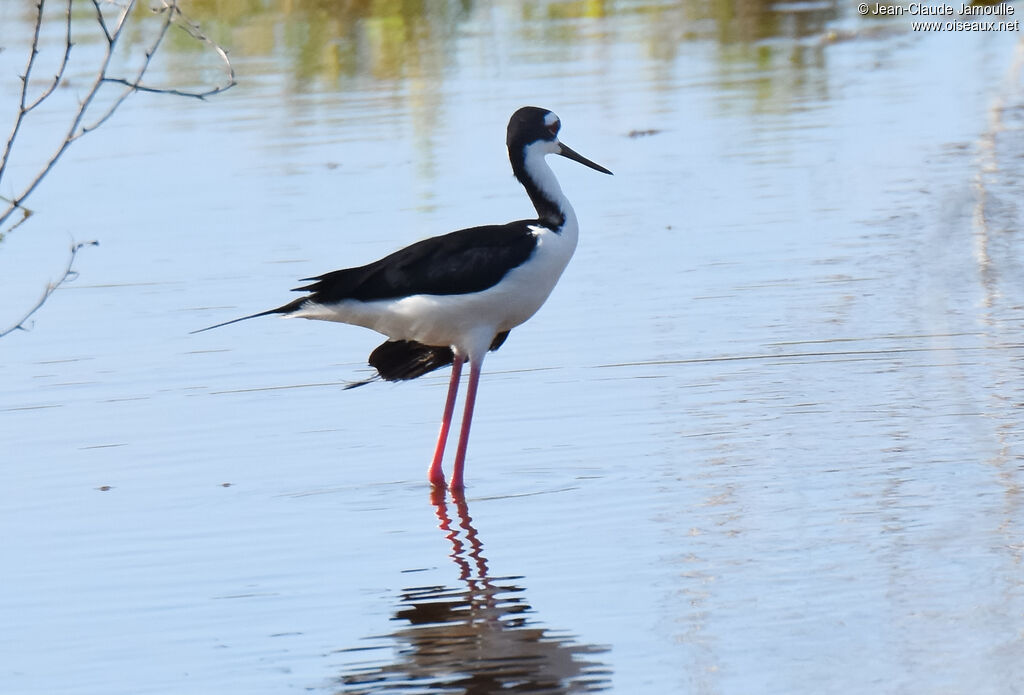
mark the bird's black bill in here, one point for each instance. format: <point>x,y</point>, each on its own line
<point>575,156</point>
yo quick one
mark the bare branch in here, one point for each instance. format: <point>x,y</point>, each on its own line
<point>111,33</point>
<point>102,22</point>
<point>63,63</point>
<point>101,75</point>
<point>16,202</point>
<point>132,86</point>
<point>192,29</point>
<point>33,52</point>
<point>25,214</point>
<point>111,28</point>
<point>172,15</point>
<point>68,274</point>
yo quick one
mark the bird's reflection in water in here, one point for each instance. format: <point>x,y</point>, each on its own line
<point>478,638</point>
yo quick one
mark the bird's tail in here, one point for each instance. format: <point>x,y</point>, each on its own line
<point>286,309</point>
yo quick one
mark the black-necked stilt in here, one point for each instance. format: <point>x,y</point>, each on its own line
<point>452,298</point>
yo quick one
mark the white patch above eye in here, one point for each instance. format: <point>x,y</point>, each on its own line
<point>550,118</point>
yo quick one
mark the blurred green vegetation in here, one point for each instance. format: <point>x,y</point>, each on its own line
<point>773,51</point>
<point>333,41</point>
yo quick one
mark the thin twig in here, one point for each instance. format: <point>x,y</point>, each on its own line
<point>101,75</point>
<point>101,21</point>
<point>68,43</point>
<point>174,16</point>
<point>24,109</point>
<point>33,52</point>
<point>193,30</point>
<point>68,274</point>
<point>25,214</point>
<point>133,85</point>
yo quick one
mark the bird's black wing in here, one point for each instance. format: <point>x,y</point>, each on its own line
<point>469,260</point>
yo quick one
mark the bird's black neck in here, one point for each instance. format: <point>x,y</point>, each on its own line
<point>542,187</point>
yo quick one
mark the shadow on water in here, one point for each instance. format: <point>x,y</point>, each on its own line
<point>477,638</point>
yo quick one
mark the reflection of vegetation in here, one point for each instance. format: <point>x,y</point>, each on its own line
<point>334,41</point>
<point>381,39</point>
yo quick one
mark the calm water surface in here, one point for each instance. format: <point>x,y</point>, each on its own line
<point>765,437</point>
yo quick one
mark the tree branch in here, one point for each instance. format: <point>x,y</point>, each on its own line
<point>172,15</point>
<point>111,27</point>
<point>33,52</point>
<point>68,275</point>
<point>63,63</point>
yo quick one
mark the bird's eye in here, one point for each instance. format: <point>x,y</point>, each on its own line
<point>554,127</point>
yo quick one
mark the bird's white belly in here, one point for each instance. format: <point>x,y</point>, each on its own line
<point>467,322</point>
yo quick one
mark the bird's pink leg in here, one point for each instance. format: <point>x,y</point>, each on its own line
<point>435,474</point>
<point>467,420</point>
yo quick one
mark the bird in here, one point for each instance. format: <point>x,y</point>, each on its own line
<point>451,299</point>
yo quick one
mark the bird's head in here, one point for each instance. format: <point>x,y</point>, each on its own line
<point>535,129</point>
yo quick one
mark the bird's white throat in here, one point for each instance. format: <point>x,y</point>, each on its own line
<point>541,174</point>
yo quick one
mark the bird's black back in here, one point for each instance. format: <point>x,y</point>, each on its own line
<point>469,260</point>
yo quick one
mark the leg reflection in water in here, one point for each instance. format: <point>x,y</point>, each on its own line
<point>477,638</point>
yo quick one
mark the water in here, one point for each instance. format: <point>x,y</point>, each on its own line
<point>764,437</point>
